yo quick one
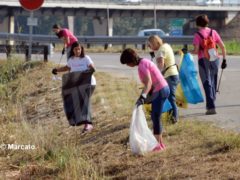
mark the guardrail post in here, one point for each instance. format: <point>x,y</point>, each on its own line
<point>8,50</point>
<point>45,53</point>
<point>26,53</point>
<point>105,46</point>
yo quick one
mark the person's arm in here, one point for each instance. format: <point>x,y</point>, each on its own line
<point>60,69</point>
<point>223,49</point>
<point>91,67</point>
<point>90,64</point>
<point>196,44</point>
<point>160,63</point>
<point>63,68</point>
<point>66,39</point>
<point>224,61</point>
<point>147,81</point>
<point>195,49</point>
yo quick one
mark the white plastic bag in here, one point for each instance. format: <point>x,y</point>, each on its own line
<point>141,137</point>
<point>213,54</point>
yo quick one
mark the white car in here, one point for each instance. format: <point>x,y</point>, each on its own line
<point>208,2</point>
<point>130,1</point>
<point>149,32</point>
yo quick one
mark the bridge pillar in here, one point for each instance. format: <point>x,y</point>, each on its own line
<point>70,20</point>
<point>102,26</point>
<point>7,25</point>
<point>230,17</point>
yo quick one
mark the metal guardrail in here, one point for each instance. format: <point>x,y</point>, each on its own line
<point>94,40</point>
<point>23,49</point>
<point>41,43</point>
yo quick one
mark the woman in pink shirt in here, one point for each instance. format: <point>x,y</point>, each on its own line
<point>153,81</point>
<point>208,67</point>
<point>67,36</point>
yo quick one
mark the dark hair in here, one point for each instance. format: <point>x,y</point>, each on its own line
<point>129,56</point>
<point>202,20</point>
<point>56,26</point>
<point>76,44</point>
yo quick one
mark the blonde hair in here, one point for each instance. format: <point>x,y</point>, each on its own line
<point>155,41</point>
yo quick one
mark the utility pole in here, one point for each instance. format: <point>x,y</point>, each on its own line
<point>108,25</point>
<point>155,15</point>
<point>30,38</point>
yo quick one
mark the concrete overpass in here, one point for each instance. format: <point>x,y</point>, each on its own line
<point>103,11</point>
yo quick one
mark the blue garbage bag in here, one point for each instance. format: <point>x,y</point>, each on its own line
<point>189,82</point>
<point>166,106</point>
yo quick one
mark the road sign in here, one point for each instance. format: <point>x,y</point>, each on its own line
<point>32,21</point>
<point>176,27</point>
<point>31,5</point>
<point>177,22</point>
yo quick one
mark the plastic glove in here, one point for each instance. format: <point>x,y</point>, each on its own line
<point>63,51</point>
<point>141,100</point>
<point>54,71</point>
<point>184,50</point>
<point>224,64</point>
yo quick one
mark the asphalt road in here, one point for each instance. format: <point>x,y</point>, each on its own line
<point>228,100</point>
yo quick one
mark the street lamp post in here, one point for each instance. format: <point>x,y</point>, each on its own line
<point>108,25</point>
<point>155,15</point>
<point>108,33</point>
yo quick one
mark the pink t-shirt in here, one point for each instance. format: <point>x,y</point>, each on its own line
<point>205,32</point>
<point>146,67</point>
<point>72,38</point>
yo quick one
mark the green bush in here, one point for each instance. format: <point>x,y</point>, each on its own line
<point>10,69</point>
<point>233,47</point>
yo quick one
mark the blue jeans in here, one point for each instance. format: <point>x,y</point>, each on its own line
<point>157,106</point>
<point>208,71</point>
<point>172,83</point>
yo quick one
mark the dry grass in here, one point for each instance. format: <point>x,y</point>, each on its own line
<point>32,113</point>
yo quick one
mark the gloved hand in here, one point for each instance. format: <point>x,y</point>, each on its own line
<point>224,64</point>
<point>152,54</point>
<point>141,100</point>
<point>54,71</point>
<point>184,50</point>
<point>63,51</point>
